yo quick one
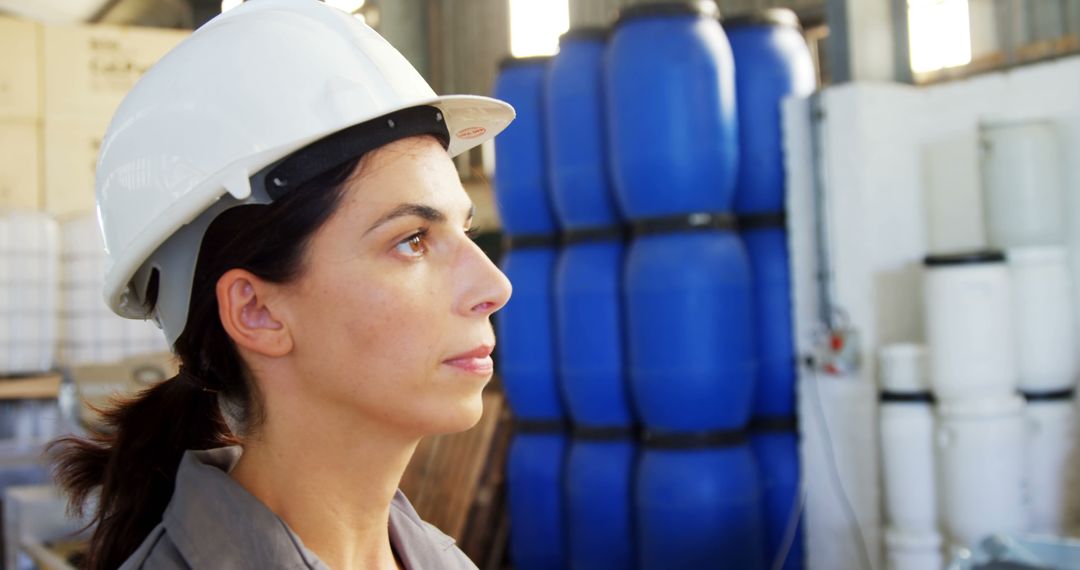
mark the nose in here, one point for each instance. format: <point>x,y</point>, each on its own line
<point>486,288</point>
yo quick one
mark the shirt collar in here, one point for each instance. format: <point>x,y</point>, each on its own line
<point>215,522</point>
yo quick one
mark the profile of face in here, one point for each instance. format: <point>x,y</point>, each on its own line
<point>389,321</point>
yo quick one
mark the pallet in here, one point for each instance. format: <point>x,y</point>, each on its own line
<point>41,387</point>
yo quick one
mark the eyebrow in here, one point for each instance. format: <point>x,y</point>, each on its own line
<point>420,211</point>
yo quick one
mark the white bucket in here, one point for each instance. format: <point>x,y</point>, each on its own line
<point>1050,451</point>
<point>1022,177</point>
<point>969,327</point>
<point>981,454</point>
<point>902,368</point>
<point>908,466</point>
<point>1045,332</point>
<point>907,550</point>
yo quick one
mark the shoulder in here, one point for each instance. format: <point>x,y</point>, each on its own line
<point>157,551</point>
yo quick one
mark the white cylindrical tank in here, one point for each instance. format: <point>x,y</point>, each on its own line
<point>907,461</point>
<point>902,368</point>
<point>1045,331</point>
<point>1050,451</point>
<point>983,477</point>
<point>908,550</point>
<point>1022,177</point>
<point>968,304</point>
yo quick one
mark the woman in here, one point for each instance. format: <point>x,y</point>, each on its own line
<point>277,193</point>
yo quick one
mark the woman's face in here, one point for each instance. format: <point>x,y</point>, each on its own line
<point>390,318</point>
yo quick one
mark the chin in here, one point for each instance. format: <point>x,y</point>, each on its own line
<point>463,416</point>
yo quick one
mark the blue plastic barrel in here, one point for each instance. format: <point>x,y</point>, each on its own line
<point>672,119</point>
<point>690,340</point>
<point>772,62</point>
<point>699,509</point>
<point>775,387</point>
<point>521,177</point>
<point>588,286</point>
<point>577,150</point>
<point>526,335</point>
<point>777,454</point>
<point>599,499</point>
<point>535,482</point>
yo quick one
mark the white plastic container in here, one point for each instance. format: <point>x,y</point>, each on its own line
<point>907,462</point>
<point>969,326</point>
<point>902,368</point>
<point>1051,447</point>
<point>983,477</point>
<point>29,291</point>
<point>1045,332</point>
<point>1022,178</point>
<point>907,550</point>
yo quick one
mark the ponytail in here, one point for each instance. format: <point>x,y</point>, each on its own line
<point>131,463</point>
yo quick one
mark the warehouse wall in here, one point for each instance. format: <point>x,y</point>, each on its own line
<point>470,38</point>
<point>602,12</point>
<point>404,23</point>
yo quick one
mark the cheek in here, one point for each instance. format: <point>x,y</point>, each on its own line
<point>390,325</point>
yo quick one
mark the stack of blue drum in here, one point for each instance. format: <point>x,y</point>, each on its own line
<point>771,62</point>
<point>526,326</point>
<point>648,360</point>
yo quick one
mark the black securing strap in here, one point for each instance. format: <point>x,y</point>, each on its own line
<point>603,433</point>
<point>763,220</point>
<point>608,233</point>
<point>338,148</point>
<point>771,424</point>
<point>1066,394</point>
<point>539,426</point>
<point>907,397</point>
<point>527,241</point>
<point>693,440</point>
<point>685,222</point>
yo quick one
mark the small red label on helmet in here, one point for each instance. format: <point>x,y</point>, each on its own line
<point>471,132</point>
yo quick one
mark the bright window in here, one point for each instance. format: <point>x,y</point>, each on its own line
<point>535,26</point>
<point>939,33</point>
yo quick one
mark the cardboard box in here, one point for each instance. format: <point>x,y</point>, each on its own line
<point>70,158</point>
<point>87,70</point>
<point>20,69</point>
<point>20,164</point>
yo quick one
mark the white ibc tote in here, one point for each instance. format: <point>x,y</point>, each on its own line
<point>90,332</point>
<point>907,462</point>
<point>1050,450</point>
<point>981,452</point>
<point>1045,332</point>
<point>906,550</point>
<point>968,303</point>
<point>29,291</point>
<point>1022,179</point>
<point>902,368</point>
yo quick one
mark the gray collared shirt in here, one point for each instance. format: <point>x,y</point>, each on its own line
<point>213,522</point>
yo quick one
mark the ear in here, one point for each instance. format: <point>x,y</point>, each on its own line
<point>247,316</point>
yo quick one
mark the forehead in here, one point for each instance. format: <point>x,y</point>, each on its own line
<point>412,170</point>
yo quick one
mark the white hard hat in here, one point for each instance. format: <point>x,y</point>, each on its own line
<point>203,127</point>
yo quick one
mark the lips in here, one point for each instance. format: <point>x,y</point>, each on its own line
<point>476,361</point>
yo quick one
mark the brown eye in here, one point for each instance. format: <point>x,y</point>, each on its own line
<point>412,246</point>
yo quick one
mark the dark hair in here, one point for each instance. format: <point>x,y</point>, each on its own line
<point>132,462</point>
